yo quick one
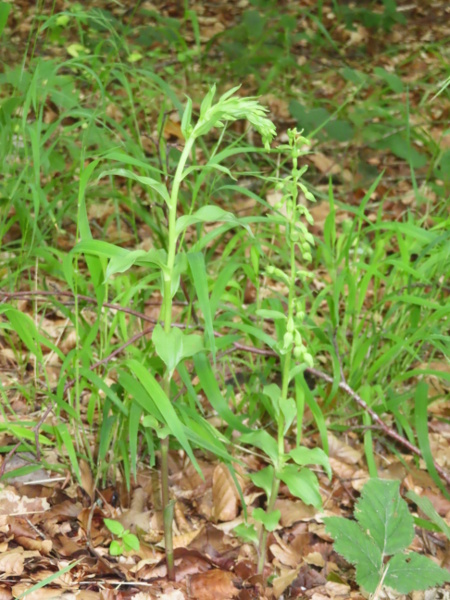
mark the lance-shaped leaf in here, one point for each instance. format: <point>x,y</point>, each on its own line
<point>302,483</point>
<point>209,214</point>
<point>159,187</point>
<point>311,456</point>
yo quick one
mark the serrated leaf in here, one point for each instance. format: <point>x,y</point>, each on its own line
<point>413,572</point>
<point>302,483</point>
<point>357,548</point>
<point>384,514</point>
<point>269,520</point>
<point>311,456</point>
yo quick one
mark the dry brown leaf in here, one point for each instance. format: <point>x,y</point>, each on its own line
<point>314,558</point>
<point>214,584</point>
<point>337,589</point>
<point>280,584</point>
<point>11,562</point>
<point>225,495</point>
<point>5,593</point>
<point>42,546</point>
<point>13,504</point>
<point>44,593</point>
<point>87,480</point>
<point>342,451</point>
<point>293,511</point>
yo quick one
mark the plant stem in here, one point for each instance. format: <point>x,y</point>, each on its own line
<point>166,313</point>
<point>263,534</point>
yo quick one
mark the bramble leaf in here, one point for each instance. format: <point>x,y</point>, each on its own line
<point>413,572</point>
<point>383,513</point>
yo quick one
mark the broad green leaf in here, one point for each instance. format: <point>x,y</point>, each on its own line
<point>413,572</point>
<point>311,456</point>
<point>427,507</point>
<point>264,479</point>
<point>264,441</point>
<point>247,532</point>
<point>383,513</point>
<point>168,346</point>
<point>120,264</point>
<point>273,392</point>
<point>159,187</point>
<point>115,548</point>
<point>302,483</point>
<point>357,548</point>
<point>99,248</point>
<point>114,526</point>
<point>130,542</point>
<point>269,520</point>
<point>289,410</point>
<point>208,214</point>
<point>174,346</point>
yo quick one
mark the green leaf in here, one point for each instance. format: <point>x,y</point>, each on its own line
<point>186,120</point>
<point>208,214</point>
<point>264,479</point>
<point>211,388</point>
<point>427,507</point>
<point>131,542</point>
<point>302,484</point>
<point>164,405</point>
<point>159,187</point>
<point>269,520</point>
<point>271,314</point>
<point>383,513</point>
<point>168,346</point>
<point>392,80</point>
<point>357,548</point>
<point>311,456</point>
<point>114,526</point>
<point>121,263</point>
<point>289,409</point>
<point>115,548</point>
<point>264,441</point>
<point>412,572</point>
<point>247,532</point>
<point>421,422</point>
<point>199,276</point>
<point>5,8</point>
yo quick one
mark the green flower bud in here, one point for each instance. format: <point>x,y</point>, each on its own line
<point>295,236</point>
<point>290,326</point>
<point>287,339</point>
<point>298,352</point>
<point>308,359</point>
<point>307,256</point>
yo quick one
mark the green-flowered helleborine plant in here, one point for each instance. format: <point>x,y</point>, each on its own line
<point>172,344</point>
<point>288,467</point>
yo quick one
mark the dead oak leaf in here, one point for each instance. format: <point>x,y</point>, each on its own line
<point>215,584</point>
